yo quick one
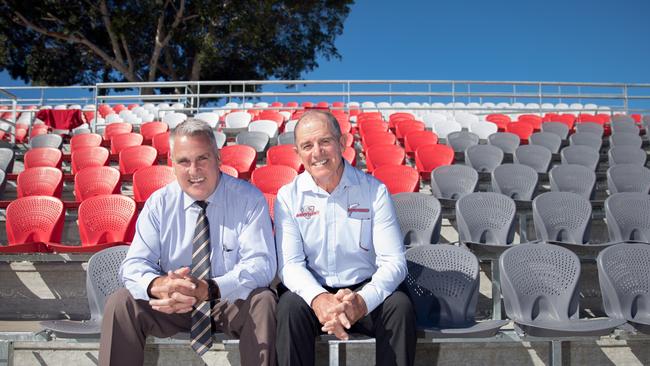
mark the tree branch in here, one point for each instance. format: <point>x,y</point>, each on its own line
<point>196,67</point>
<point>111,34</point>
<point>169,63</point>
<point>129,58</point>
<point>162,38</point>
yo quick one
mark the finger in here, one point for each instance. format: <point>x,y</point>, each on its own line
<point>160,289</point>
<point>183,271</point>
<point>350,297</point>
<point>164,309</point>
<point>162,302</point>
<point>184,310</point>
<point>183,299</point>
<point>337,309</point>
<point>344,321</point>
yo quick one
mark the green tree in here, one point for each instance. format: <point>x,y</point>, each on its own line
<point>64,42</point>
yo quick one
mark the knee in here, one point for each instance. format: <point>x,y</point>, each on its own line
<point>292,306</point>
<point>264,299</point>
<point>399,305</point>
<point>118,301</point>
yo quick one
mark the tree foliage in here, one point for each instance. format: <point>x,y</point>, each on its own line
<point>65,42</point>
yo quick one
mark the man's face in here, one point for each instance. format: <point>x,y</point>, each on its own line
<point>196,166</point>
<point>320,151</point>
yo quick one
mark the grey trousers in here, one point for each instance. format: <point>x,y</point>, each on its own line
<point>127,322</point>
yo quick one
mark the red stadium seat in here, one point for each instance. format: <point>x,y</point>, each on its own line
<point>104,221</point>
<point>150,129</point>
<point>40,181</point>
<point>85,140</point>
<point>377,138</point>
<point>270,178</point>
<point>601,119</point>
<point>271,116</point>
<point>161,143</point>
<point>415,139</point>
<point>284,155</point>
<point>43,156</point>
<point>429,157</point>
<point>378,155</point>
<point>344,123</point>
<point>38,130</point>
<point>501,120</point>
<point>136,157</point>
<point>227,169</point>
<point>85,157</point>
<point>95,181</point>
<point>240,157</point>
<point>150,179</point>
<point>399,116</point>
<point>350,154</point>
<point>534,120</point>
<point>116,129</point>
<point>398,178</point>
<point>403,127</point>
<point>521,129</point>
<point>369,126</point>
<point>124,140</point>
<point>270,200</point>
<point>31,221</point>
<point>349,139</point>
<point>369,116</point>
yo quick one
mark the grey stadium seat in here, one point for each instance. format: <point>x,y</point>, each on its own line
<point>590,127</point>
<point>255,139</point>
<point>557,128</point>
<point>48,140</point>
<point>486,217</point>
<point>625,139</point>
<point>535,156</point>
<point>624,154</point>
<point>516,181</point>
<point>587,139</point>
<point>483,158</point>
<point>623,118</point>
<point>506,141</point>
<point>628,178</point>
<point>102,279</point>
<point>221,138</point>
<point>628,217</point>
<point>443,284</point>
<point>419,217</point>
<point>286,138</point>
<point>539,283</point>
<point>573,178</point>
<point>549,140</point>
<point>6,160</point>
<point>453,181</point>
<point>581,155</point>
<point>624,127</point>
<point>562,217</point>
<point>623,275</point>
<point>461,140</point>
<point>3,183</point>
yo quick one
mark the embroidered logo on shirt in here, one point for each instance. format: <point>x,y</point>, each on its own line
<point>307,212</point>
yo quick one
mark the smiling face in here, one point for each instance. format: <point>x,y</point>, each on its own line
<point>196,165</point>
<point>320,150</point>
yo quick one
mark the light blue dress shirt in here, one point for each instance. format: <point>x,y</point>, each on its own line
<point>241,239</point>
<point>339,239</point>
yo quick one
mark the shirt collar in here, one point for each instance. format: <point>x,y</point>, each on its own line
<point>349,178</point>
<point>212,199</point>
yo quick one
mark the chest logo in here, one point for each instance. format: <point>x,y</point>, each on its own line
<point>307,212</point>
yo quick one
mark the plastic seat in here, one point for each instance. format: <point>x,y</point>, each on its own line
<point>624,127</point>
<point>625,154</point>
<point>136,157</point>
<point>622,118</point>
<point>6,160</point>
<point>628,178</point>
<point>237,120</point>
<point>486,218</point>
<point>149,179</point>
<point>40,181</point>
<point>562,217</point>
<point>173,119</point>
<point>501,120</point>
<point>227,169</point>
<point>429,157</point>
<point>465,119</point>
<point>125,140</point>
<point>483,129</point>
<point>590,127</point>
<point>483,158</point>
<point>573,178</point>
<point>461,140</point>
<point>535,156</point>
<point>403,127</point>
<point>220,138</point>
<point>549,140</point>
<point>516,181</point>
<point>558,128</point>
<point>270,178</point>
<point>373,138</point>
<point>116,129</point>
<point>160,142</point>
<point>268,127</point>
<point>453,181</point>
<point>255,139</point>
<point>210,118</point>
<point>532,119</point>
<point>444,128</point>
<point>3,182</point>
<point>150,129</point>
<point>104,221</point>
<point>582,155</point>
<point>625,139</point>
<point>522,129</point>
<point>350,155</point>
<point>85,140</point>
<point>419,216</point>
<point>506,141</point>
<point>540,291</point>
<point>414,139</point>
<point>284,155</point>
<point>586,139</point>
<point>241,157</point>
<point>398,178</point>
<point>48,140</point>
<point>379,155</point>
<point>88,157</point>
<point>102,279</point>
<point>43,156</point>
<point>95,181</point>
<point>628,216</point>
<point>31,221</point>
<point>286,138</point>
<point>623,277</point>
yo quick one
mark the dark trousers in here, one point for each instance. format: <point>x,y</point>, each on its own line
<point>391,323</point>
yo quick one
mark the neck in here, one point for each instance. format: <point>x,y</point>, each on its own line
<point>329,185</point>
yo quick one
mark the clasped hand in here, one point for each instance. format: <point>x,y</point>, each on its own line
<point>177,292</point>
<point>338,312</point>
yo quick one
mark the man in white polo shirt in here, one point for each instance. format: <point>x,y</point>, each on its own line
<point>340,254</point>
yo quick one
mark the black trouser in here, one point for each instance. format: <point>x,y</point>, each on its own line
<point>392,324</point>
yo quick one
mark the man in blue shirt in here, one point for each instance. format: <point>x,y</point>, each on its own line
<point>165,294</point>
<point>340,254</point>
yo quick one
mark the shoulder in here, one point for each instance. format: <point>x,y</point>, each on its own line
<point>167,196</point>
<point>240,189</point>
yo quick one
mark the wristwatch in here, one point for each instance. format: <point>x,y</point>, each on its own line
<point>213,290</point>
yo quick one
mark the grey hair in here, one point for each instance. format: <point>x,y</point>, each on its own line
<point>193,128</point>
<point>322,115</point>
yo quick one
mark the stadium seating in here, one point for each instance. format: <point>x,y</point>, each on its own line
<point>270,178</point>
<point>40,181</point>
<point>429,157</point>
<point>453,181</point>
<point>31,221</point>
<point>625,154</point>
<point>589,127</point>
<point>43,156</point>
<point>350,155</point>
<point>414,139</point>
<point>284,155</point>
<point>562,217</point>
<point>461,140</point>
<point>241,157</point>
<point>6,160</point>
<point>116,129</point>
<point>580,154</point>
<point>516,181</point>
<point>136,157</point>
<point>486,218</point>
<point>94,181</point>
<point>506,141</point>
<point>483,158</point>
<point>398,178</point>
<point>558,128</point>
<point>383,154</point>
<point>255,139</point>
<point>124,140</point>
<point>573,178</point>
<point>420,218</point>
<point>535,156</point>
<point>373,138</point>
<point>48,140</point>
<point>150,129</point>
<point>628,217</point>
<point>149,179</point>
<point>586,139</point>
<point>625,139</point>
<point>85,140</point>
<point>160,142</point>
<point>628,178</point>
<point>549,140</point>
<point>522,129</point>
<point>85,157</point>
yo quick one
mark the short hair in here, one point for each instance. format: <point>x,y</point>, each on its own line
<point>327,116</point>
<point>193,128</point>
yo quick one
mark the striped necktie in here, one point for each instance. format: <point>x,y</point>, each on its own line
<point>201,331</point>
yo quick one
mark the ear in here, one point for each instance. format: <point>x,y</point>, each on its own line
<point>343,141</point>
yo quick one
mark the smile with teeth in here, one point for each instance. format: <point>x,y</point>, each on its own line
<point>320,163</point>
<point>196,180</point>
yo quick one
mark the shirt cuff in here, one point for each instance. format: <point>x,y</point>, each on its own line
<point>371,297</point>
<point>227,286</point>
<point>143,284</point>
<point>310,293</point>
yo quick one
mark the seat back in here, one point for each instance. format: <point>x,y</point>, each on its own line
<point>483,158</point>
<point>558,128</point>
<point>240,157</point>
<point>516,181</point>
<point>237,119</point>
<point>535,156</point>
<point>453,181</point>
<point>624,127</point>
<point>40,181</point>
<point>562,216</point>
<point>590,127</point>
<point>549,140</point>
<point>376,137</point>
<point>161,142</point>
<point>521,129</point>
<point>483,129</point>
<point>379,155</point>
<point>47,140</point>
<point>506,141</point>
<point>398,178</point>
<point>125,140</point>
<point>486,217</point>
<point>628,178</point>
<point>625,154</point>
<point>286,138</point>
<point>539,282</point>
<point>6,160</point>
<point>220,138</point>
<point>625,139</point>
<point>419,216</point>
<point>586,139</point>
<point>43,156</point>
<point>103,278</point>
<point>150,179</point>
<point>88,157</point>
<point>580,154</point>
<point>116,129</point>
<point>255,139</point>
<point>461,140</point>
<point>136,157</point>
<point>151,129</point>
<point>106,219</point>
<point>94,181</point>
<point>270,178</point>
<point>84,140</point>
<point>573,178</point>
<point>284,155</point>
<point>628,216</point>
<point>34,219</point>
<point>443,284</point>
